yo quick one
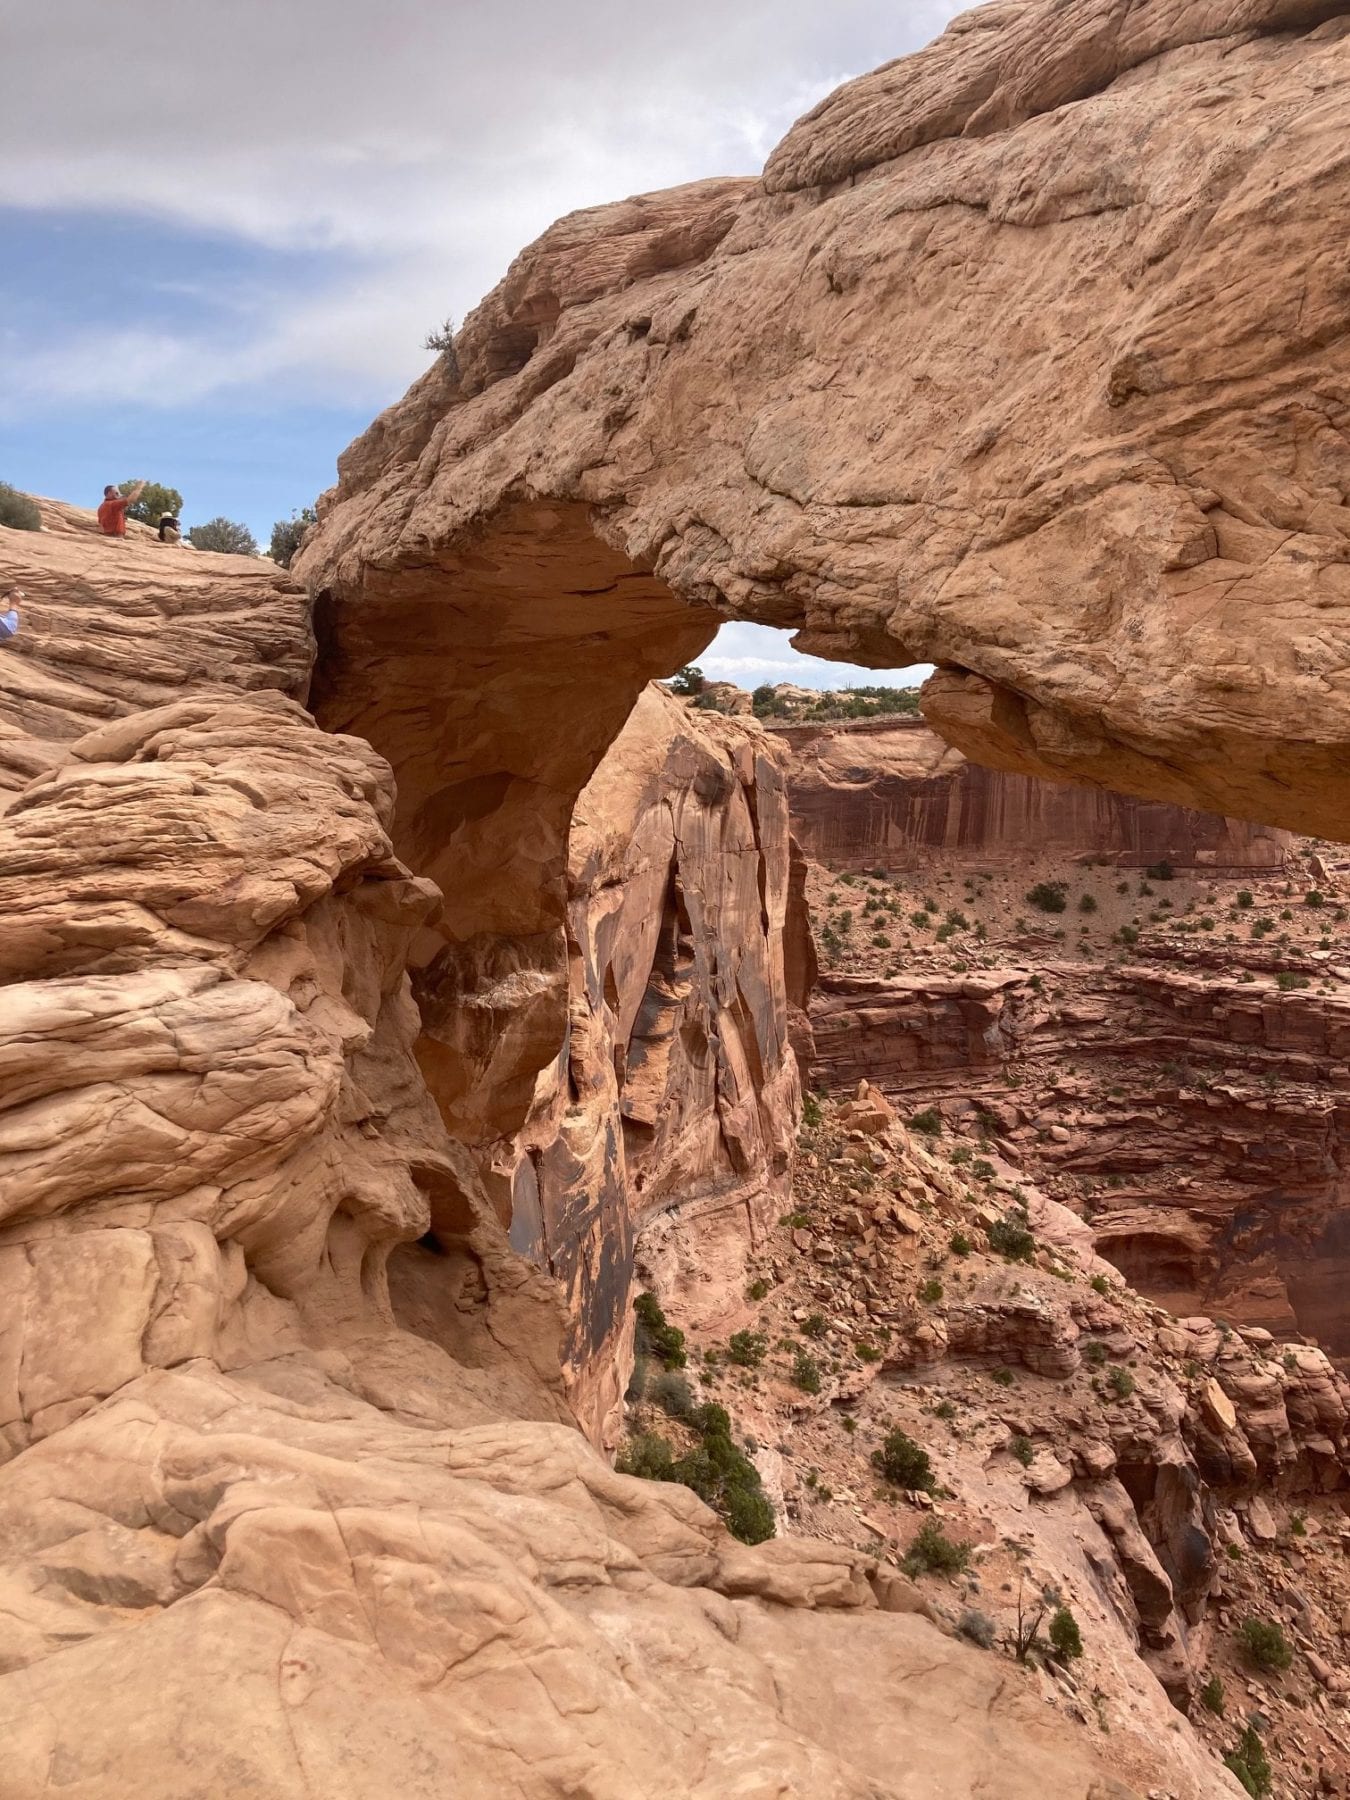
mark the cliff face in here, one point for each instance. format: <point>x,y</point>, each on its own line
<point>895,794</point>
<point>675,1083</point>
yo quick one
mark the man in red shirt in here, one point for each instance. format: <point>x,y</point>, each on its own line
<point>112,515</point>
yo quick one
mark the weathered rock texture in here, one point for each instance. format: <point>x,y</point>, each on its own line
<point>291,1499</point>
<point>894,794</point>
<point>1033,365</point>
<point>675,1083</point>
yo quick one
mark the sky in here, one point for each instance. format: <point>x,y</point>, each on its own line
<point>225,232</point>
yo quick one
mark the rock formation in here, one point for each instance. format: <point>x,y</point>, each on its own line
<point>893,794</point>
<point>292,1496</point>
<point>1031,366</point>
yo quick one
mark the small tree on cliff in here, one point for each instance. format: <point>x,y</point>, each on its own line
<point>289,534</point>
<point>689,680</point>
<point>226,536</point>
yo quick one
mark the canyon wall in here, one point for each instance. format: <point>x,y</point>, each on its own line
<point>1206,1120</point>
<point>893,794</point>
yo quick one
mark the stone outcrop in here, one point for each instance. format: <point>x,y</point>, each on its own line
<point>292,1497</point>
<point>1031,366</point>
<point>894,794</point>
<point>676,1084</point>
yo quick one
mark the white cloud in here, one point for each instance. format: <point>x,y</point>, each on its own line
<point>424,143</point>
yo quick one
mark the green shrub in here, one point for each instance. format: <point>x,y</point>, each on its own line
<point>1004,1377</point>
<point>1265,1644</point>
<point>1095,1352</point>
<point>1313,898</point>
<point>1245,898</point>
<point>811,1113</point>
<point>746,1349</point>
<point>18,511</point>
<point>155,500</point>
<point>904,1463</point>
<point>1250,1764</point>
<point>1121,1383</point>
<point>931,1291</point>
<point>806,1373</point>
<point>1087,904</point>
<point>1160,871</point>
<point>944,1410</point>
<point>1048,896</point>
<point>1021,1447</point>
<point>959,1244</point>
<point>1100,1285</point>
<point>933,1553</point>
<point>1011,1239</point>
<point>1065,1638</point>
<point>814,1326</point>
<point>866,1352</point>
<point>1211,1696</point>
<point>288,534</point>
<point>647,1455</point>
<point>796,1221</point>
<point>757,1289</point>
<point>716,1469</point>
<point>929,1122</point>
<point>225,536</point>
<point>654,1337</point>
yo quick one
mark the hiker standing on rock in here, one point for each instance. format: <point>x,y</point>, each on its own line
<point>112,515</point>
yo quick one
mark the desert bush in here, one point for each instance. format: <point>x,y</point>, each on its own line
<point>866,1352</point>
<point>226,536</point>
<point>688,680</point>
<point>1048,896</point>
<point>655,1338</point>
<point>814,1326</point>
<point>757,1290</point>
<point>1250,1764</point>
<point>1314,898</point>
<point>1160,871</point>
<point>1121,1383</point>
<point>155,500</point>
<point>1100,1285</point>
<point>1265,1644</point>
<point>288,534</point>
<point>669,1390</point>
<point>929,1122</point>
<point>811,1113</point>
<point>904,1463</point>
<point>17,510</point>
<point>1066,1640</point>
<point>933,1553</point>
<point>1211,1696</point>
<point>806,1373</point>
<point>746,1348</point>
<point>1245,898</point>
<point>1021,1448</point>
<point>976,1627</point>
<point>959,1244</point>
<point>716,1469</point>
<point>1087,904</point>
<point>1010,1238</point>
<point>931,1291</point>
